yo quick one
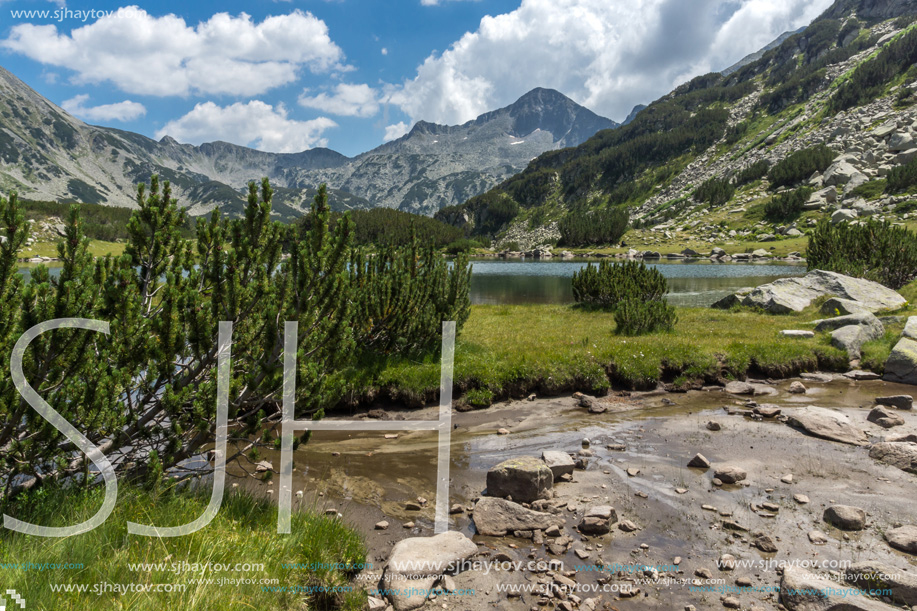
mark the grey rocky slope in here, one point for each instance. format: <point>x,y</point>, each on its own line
<point>435,166</point>
<point>46,154</point>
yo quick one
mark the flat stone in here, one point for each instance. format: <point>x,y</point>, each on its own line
<point>797,333</point>
<point>879,576</point>
<point>903,538</point>
<point>827,424</point>
<point>800,590</point>
<point>801,499</point>
<point>496,517</point>
<point>817,537</point>
<point>768,410</point>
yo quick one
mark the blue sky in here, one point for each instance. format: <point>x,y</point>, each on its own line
<point>350,74</point>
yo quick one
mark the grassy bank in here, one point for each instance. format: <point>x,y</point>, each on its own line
<point>508,351</point>
<point>243,532</point>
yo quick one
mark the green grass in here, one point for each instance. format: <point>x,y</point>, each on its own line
<point>244,531</point>
<point>97,248</point>
<point>513,350</point>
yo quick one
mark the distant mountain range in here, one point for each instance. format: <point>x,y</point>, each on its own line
<point>46,154</point>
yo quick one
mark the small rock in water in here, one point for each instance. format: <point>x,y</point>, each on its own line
<point>456,509</point>
<point>884,417</point>
<point>797,388</point>
<point>730,474</point>
<point>801,499</point>
<point>731,602</point>
<point>383,525</point>
<point>787,479</point>
<point>628,526</point>
<point>817,537</point>
<point>764,543</point>
<point>586,443</point>
<point>502,432</point>
<point>699,462</point>
<point>727,562</point>
<point>408,525</point>
<point>633,472</point>
<point>714,426</point>
<point>703,573</point>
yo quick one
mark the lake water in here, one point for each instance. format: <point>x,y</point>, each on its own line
<point>691,283</point>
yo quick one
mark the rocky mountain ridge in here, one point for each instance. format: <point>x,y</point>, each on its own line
<point>46,154</point>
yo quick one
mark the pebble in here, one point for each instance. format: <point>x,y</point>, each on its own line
<point>502,432</point>
<point>787,479</point>
<point>633,472</point>
<point>801,499</point>
<point>383,525</point>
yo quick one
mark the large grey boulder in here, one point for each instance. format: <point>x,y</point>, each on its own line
<point>878,576</point>
<point>795,294</point>
<point>800,590</point>
<point>897,454</point>
<point>843,215</point>
<point>496,517</point>
<point>416,564</point>
<point>827,424</point>
<point>839,173</point>
<point>849,339</point>
<point>901,365</point>
<point>852,331</point>
<point>525,479</point>
<point>910,328</point>
<point>901,141</point>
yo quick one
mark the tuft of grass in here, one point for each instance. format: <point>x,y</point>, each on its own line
<point>244,531</point>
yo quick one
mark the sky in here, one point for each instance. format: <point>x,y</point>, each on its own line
<point>286,76</point>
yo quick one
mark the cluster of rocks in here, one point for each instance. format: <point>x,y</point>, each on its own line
<point>526,238</point>
<point>542,251</point>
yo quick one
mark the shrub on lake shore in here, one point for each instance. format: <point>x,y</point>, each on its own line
<point>635,292</point>
<point>149,385</point>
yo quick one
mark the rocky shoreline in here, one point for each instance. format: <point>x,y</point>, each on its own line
<point>701,500</point>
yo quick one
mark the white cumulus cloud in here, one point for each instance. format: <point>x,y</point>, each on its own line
<point>345,100</point>
<point>163,56</point>
<point>120,111</point>
<point>254,124</point>
<point>606,54</point>
<point>393,132</point>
